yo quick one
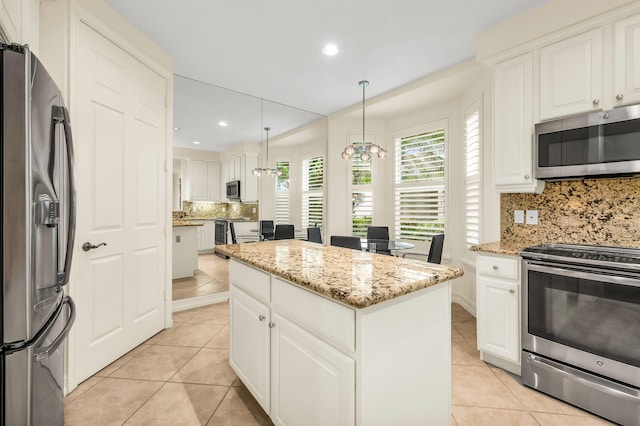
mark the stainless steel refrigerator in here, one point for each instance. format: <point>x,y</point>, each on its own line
<point>38,227</point>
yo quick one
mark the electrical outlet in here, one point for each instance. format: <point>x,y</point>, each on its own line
<point>253,210</point>
<point>518,216</point>
<point>224,209</point>
<point>532,217</point>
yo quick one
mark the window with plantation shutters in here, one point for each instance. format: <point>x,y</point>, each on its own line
<point>282,193</point>
<point>362,211</point>
<point>420,182</point>
<point>312,191</point>
<point>472,174</point>
<point>361,190</point>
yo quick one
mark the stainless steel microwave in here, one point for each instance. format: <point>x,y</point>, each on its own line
<point>233,190</point>
<point>603,143</point>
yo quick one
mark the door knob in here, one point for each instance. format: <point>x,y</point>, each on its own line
<point>88,246</point>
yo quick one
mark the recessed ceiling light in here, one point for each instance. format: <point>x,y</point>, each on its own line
<point>222,124</point>
<point>196,142</point>
<point>176,128</point>
<point>330,50</point>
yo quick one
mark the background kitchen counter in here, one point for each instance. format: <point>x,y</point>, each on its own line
<point>502,247</point>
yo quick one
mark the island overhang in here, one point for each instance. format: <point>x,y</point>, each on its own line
<point>355,278</point>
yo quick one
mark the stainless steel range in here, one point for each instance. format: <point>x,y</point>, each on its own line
<point>581,327</point>
<point>221,225</point>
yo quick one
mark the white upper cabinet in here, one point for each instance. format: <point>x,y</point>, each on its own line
<point>627,61</point>
<point>571,75</point>
<point>241,168</point>
<point>513,126</point>
<point>203,181</point>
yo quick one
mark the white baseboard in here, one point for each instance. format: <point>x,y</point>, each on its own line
<point>468,304</point>
<point>196,302</point>
<point>502,363</point>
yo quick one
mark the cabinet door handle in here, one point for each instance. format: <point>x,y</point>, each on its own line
<point>596,101</point>
<point>526,177</point>
<point>619,96</point>
<point>261,317</point>
<point>512,291</point>
<point>272,324</point>
<point>495,267</point>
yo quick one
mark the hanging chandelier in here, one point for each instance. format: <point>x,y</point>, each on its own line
<point>363,151</point>
<point>258,171</point>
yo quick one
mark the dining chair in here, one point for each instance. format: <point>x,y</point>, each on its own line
<point>379,233</point>
<point>284,232</point>
<point>266,230</point>
<point>314,235</point>
<point>346,242</point>
<point>435,250</point>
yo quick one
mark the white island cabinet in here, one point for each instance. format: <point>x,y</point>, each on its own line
<point>309,359</point>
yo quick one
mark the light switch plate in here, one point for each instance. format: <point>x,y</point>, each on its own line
<point>253,210</point>
<point>532,217</point>
<point>518,216</point>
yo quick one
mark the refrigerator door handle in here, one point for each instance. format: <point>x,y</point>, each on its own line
<point>60,115</point>
<point>44,353</point>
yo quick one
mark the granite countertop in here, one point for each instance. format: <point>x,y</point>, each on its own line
<point>177,222</point>
<point>501,247</point>
<point>355,278</point>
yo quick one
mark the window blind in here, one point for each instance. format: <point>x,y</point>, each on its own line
<point>472,177</point>
<point>282,193</point>
<point>312,191</point>
<point>419,212</point>
<point>362,211</point>
<point>420,184</point>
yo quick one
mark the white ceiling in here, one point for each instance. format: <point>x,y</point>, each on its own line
<point>272,50</point>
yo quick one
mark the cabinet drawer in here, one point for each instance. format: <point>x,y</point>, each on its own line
<point>251,280</point>
<point>328,320</point>
<point>503,267</point>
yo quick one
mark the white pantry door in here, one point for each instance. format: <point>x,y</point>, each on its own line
<point>120,139</point>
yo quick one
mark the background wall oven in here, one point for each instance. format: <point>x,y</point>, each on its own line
<point>581,327</point>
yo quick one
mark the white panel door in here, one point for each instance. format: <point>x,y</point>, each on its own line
<point>120,126</point>
<point>312,383</point>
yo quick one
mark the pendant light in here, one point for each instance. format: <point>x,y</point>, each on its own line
<point>258,171</point>
<point>363,152</point>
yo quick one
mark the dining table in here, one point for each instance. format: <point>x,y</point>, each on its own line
<point>385,245</point>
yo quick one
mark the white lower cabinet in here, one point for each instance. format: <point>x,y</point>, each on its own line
<point>498,310</point>
<point>313,383</point>
<point>206,239</point>
<point>296,377</point>
<point>249,345</point>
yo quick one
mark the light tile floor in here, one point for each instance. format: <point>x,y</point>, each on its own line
<point>211,277</point>
<point>181,376</point>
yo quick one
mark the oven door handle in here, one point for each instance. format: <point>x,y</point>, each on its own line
<point>589,275</point>
<point>589,381</point>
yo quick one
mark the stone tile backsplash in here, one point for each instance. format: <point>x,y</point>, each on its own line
<point>205,210</point>
<point>589,211</point>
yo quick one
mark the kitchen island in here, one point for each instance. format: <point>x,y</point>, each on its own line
<point>184,256</point>
<point>326,335</point>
